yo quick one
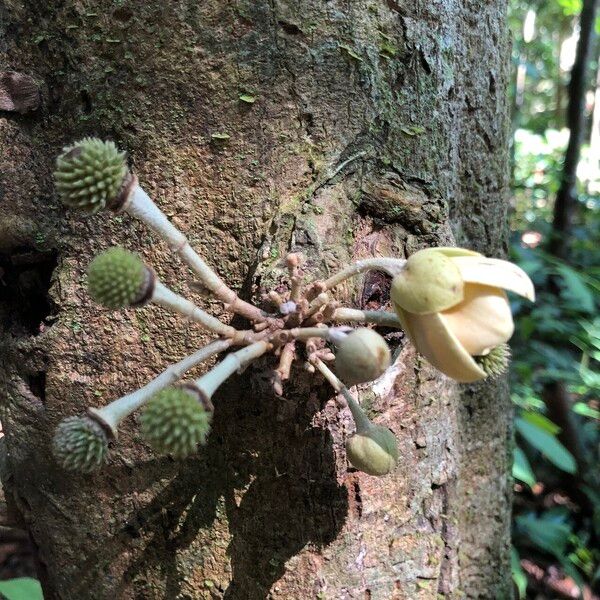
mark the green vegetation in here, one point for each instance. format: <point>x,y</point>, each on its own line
<point>21,588</point>
<point>556,347</point>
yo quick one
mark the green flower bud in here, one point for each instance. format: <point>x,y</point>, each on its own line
<point>80,444</point>
<point>175,422</point>
<point>362,355</point>
<point>429,282</point>
<point>89,174</point>
<point>496,361</point>
<point>373,450</point>
<point>118,278</point>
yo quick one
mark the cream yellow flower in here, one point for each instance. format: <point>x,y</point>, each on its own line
<point>453,306</point>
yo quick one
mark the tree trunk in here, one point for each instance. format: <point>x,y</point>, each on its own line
<point>377,128</point>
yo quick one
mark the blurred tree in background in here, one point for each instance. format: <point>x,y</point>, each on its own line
<point>555,227</point>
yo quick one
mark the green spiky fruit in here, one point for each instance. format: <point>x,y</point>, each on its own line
<point>117,278</point>
<point>373,451</point>
<point>89,174</point>
<point>175,422</point>
<point>496,361</point>
<point>80,444</point>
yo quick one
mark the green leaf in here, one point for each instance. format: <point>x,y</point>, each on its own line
<point>518,574</point>
<point>576,290</point>
<point>581,408</point>
<point>22,588</point>
<point>550,536</point>
<point>247,98</point>
<point>387,49</point>
<point>351,52</point>
<point>525,397</point>
<point>521,469</point>
<point>590,378</point>
<point>412,130</point>
<point>548,445</point>
<point>570,7</point>
<point>541,421</point>
<point>220,136</point>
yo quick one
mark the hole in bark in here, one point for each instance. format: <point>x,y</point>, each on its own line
<point>123,14</point>
<point>393,6</point>
<point>424,63</point>
<point>308,121</point>
<point>357,498</point>
<point>37,384</point>
<point>87,101</point>
<point>24,505</point>
<point>290,28</point>
<point>376,291</point>
<point>25,276</point>
<point>131,530</point>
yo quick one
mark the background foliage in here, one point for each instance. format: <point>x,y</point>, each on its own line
<point>556,347</point>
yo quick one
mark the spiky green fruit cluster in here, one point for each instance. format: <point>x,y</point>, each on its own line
<point>80,444</point>
<point>117,278</point>
<point>496,361</point>
<point>175,422</point>
<point>89,174</point>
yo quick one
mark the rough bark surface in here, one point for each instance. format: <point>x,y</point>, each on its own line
<point>378,128</point>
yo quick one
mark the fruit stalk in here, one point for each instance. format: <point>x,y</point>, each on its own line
<point>142,207</point>
<point>377,317</point>
<point>111,415</point>
<point>392,266</point>
<point>208,384</point>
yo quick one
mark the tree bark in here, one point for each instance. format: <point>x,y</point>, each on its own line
<point>377,128</point>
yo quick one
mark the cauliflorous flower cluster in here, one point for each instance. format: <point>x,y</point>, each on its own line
<point>450,301</point>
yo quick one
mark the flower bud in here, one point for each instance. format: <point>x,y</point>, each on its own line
<point>118,278</point>
<point>373,450</point>
<point>429,282</point>
<point>80,444</point>
<point>175,421</point>
<point>89,174</point>
<point>362,355</point>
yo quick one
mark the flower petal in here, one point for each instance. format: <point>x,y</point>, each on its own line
<point>482,320</point>
<point>434,340</point>
<point>451,251</point>
<point>495,272</point>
